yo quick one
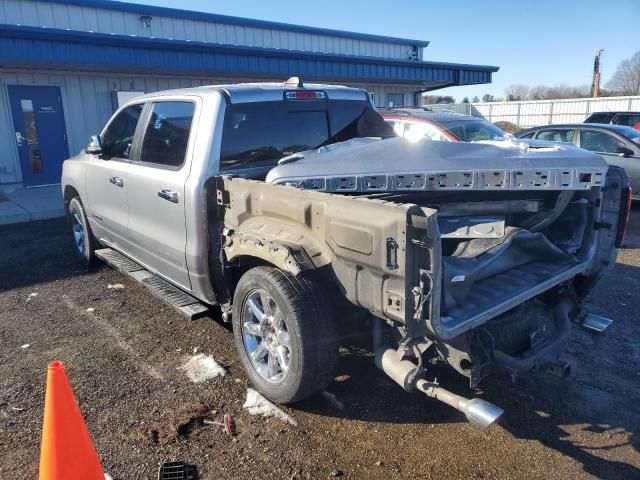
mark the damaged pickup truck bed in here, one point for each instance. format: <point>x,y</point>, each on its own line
<point>476,254</point>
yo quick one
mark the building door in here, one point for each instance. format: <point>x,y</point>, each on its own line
<point>40,133</point>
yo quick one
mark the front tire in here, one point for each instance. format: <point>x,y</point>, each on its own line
<point>284,334</point>
<point>83,240</point>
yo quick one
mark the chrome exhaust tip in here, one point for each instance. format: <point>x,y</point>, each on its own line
<point>480,412</point>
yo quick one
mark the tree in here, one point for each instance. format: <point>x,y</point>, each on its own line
<point>434,99</point>
<point>487,97</point>
<point>465,100</point>
<point>626,80</point>
<point>517,92</point>
<point>475,99</point>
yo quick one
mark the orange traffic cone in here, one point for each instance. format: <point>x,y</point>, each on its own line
<point>66,451</point>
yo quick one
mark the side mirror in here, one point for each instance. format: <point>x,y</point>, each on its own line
<point>625,152</point>
<point>94,147</point>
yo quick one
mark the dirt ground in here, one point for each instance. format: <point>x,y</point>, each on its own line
<point>122,360</point>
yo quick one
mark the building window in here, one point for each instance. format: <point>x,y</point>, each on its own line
<point>395,100</point>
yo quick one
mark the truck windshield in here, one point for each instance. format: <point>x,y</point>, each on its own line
<point>259,134</point>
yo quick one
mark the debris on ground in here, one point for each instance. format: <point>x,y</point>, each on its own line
<point>336,473</point>
<point>32,295</point>
<point>174,423</point>
<point>90,310</point>
<point>107,476</point>
<point>202,367</point>
<point>226,424</point>
<point>25,346</point>
<point>256,404</point>
<point>331,399</point>
<point>115,286</point>
<point>178,470</point>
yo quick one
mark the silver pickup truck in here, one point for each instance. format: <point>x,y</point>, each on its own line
<point>296,210</point>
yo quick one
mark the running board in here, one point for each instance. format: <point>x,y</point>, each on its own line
<point>186,304</point>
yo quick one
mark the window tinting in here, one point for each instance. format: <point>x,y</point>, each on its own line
<point>259,134</point>
<point>557,135</point>
<point>473,130</point>
<point>526,135</point>
<point>598,118</point>
<point>165,140</point>
<point>118,137</point>
<point>627,119</point>
<point>600,142</point>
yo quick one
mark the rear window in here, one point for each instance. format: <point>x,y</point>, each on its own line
<point>598,118</point>
<point>259,134</point>
<point>473,130</point>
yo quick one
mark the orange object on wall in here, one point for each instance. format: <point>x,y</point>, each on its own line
<point>66,451</point>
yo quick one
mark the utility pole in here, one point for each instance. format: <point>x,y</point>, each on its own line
<point>595,84</point>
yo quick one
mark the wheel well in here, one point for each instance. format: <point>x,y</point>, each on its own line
<point>69,193</point>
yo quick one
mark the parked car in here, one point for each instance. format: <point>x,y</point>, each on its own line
<point>297,210</point>
<point>415,124</point>
<point>619,145</point>
<point>630,119</point>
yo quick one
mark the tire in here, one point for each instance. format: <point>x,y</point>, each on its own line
<point>83,240</point>
<point>292,353</point>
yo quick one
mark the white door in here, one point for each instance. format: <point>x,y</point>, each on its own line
<point>155,191</point>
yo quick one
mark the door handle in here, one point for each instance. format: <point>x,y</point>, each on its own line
<point>169,195</point>
<point>20,139</point>
<point>117,181</point>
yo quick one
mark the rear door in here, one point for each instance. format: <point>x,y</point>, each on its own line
<point>106,178</point>
<point>609,146</point>
<point>155,189</point>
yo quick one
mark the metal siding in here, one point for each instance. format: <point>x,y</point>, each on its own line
<point>83,18</point>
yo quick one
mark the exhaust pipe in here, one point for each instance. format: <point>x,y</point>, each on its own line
<point>478,411</point>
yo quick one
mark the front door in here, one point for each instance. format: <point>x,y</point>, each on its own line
<point>40,133</point>
<point>106,178</point>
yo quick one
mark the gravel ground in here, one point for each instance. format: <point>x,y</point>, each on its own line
<point>123,358</point>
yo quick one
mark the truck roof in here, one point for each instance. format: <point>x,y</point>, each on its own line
<point>264,91</point>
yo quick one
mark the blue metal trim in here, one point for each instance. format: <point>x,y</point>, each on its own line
<point>230,20</point>
<point>53,48</point>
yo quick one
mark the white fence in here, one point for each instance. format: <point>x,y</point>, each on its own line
<point>543,112</point>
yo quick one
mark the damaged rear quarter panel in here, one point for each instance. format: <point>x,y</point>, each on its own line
<point>369,245</point>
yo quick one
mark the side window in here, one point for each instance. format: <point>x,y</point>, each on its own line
<point>398,127</point>
<point>416,131</point>
<point>627,119</point>
<point>118,137</point>
<point>600,142</point>
<point>557,135</point>
<point>167,133</point>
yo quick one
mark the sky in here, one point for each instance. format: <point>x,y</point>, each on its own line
<point>546,42</point>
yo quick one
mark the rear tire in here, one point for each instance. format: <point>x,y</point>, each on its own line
<point>284,334</point>
<point>83,239</point>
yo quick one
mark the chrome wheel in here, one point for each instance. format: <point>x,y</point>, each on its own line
<point>265,336</point>
<point>78,232</point>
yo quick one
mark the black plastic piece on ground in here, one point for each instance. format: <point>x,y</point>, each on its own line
<point>177,471</point>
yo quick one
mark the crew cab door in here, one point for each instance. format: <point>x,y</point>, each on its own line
<point>106,178</point>
<point>155,190</point>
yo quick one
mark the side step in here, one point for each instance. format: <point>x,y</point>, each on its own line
<point>186,304</point>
